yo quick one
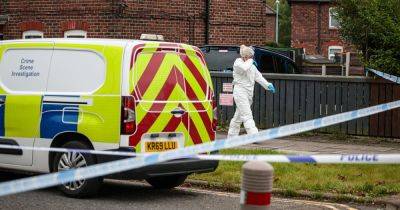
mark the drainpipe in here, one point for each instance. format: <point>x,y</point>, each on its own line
<point>277,22</point>
<point>319,29</point>
<point>207,21</point>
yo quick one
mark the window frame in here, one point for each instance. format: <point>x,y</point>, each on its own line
<point>83,93</point>
<point>334,47</point>
<point>32,33</point>
<point>46,92</point>
<point>331,13</point>
<point>74,32</point>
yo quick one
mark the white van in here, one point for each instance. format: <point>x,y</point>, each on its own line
<point>137,96</point>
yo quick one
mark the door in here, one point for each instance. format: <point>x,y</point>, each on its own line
<point>198,90</point>
<point>24,69</point>
<point>161,101</point>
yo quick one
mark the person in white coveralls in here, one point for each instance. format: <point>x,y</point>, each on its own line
<point>245,74</point>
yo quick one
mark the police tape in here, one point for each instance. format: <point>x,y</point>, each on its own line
<point>389,77</point>
<point>53,179</point>
<point>275,158</point>
<point>65,150</point>
<point>320,158</point>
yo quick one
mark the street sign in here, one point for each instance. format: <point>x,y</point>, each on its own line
<point>227,87</point>
<point>225,99</point>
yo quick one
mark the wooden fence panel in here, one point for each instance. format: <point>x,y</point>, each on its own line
<point>304,97</point>
<point>344,105</point>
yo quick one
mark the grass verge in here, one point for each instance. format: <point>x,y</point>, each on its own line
<point>367,181</point>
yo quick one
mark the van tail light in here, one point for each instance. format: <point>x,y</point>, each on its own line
<point>128,123</point>
<point>215,113</point>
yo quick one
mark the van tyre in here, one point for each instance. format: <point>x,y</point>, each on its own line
<point>166,182</point>
<point>65,161</point>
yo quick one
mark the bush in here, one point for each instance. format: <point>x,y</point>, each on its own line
<point>373,27</point>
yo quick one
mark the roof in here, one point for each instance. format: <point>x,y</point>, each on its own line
<point>310,1</point>
<point>269,10</point>
<point>109,42</point>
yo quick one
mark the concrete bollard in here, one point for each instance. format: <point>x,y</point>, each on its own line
<point>257,180</point>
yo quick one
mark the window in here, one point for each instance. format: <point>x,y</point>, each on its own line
<point>25,70</point>
<point>332,50</point>
<point>76,71</point>
<point>75,34</point>
<point>333,22</point>
<point>1,36</point>
<point>32,34</point>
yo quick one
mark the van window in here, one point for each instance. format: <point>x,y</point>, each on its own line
<point>170,76</point>
<point>75,71</point>
<point>25,70</point>
<point>158,76</point>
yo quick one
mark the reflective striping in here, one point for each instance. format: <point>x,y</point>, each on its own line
<point>165,76</point>
<point>257,199</point>
<point>149,72</point>
<point>52,120</point>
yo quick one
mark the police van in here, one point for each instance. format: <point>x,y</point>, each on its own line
<point>102,94</point>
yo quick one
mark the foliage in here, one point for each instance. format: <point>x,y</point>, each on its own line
<point>285,27</point>
<point>373,27</point>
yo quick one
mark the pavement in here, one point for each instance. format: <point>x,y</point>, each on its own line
<point>136,195</point>
<point>324,144</point>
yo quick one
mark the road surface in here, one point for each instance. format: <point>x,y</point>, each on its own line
<point>134,195</point>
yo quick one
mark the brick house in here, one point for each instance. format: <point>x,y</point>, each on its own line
<point>315,29</point>
<point>195,22</point>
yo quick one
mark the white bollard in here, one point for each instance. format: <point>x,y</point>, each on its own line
<point>257,181</point>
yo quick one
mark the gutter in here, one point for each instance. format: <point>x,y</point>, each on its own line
<point>207,22</point>
<point>319,29</point>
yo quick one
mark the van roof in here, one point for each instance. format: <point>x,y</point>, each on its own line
<point>113,42</point>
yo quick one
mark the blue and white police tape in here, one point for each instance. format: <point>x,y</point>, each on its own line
<point>389,77</point>
<point>103,169</point>
<point>65,150</point>
<point>320,158</point>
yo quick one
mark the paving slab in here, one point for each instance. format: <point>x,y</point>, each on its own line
<point>321,145</point>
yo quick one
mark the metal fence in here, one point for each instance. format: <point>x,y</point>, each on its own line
<point>304,97</point>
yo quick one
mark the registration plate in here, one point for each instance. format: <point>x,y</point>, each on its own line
<point>160,146</point>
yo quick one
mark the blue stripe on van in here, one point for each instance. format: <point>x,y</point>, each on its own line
<point>52,122</point>
<point>2,115</point>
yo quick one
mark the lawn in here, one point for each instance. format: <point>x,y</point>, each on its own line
<point>368,181</point>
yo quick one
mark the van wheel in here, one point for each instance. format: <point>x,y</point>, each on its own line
<point>166,182</point>
<point>69,160</point>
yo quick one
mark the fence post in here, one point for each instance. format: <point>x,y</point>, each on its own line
<point>347,64</point>
<point>323,70</point>
<point>257,181</point>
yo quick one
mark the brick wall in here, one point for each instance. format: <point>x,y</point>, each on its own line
<point>177,20</point>
<point>232,22</point>
<point>305,28</point>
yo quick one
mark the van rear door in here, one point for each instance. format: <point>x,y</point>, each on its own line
<point>168,97</point>
<point>161,102</point>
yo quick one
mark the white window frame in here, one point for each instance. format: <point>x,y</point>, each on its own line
<point>331,13</point>
<point>333,48</point>
<point>80,33</point>
<point>25,34</point>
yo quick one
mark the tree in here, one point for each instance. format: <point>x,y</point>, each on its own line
<point>373,27</point>
<point>285,25</point>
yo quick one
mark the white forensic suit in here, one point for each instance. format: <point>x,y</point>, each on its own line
<point>245,74</point>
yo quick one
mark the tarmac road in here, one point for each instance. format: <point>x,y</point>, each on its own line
<point>134,195</point>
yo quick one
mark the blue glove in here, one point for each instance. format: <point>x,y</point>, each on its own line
<point>271,88</point>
